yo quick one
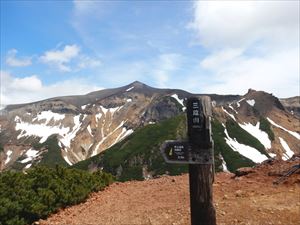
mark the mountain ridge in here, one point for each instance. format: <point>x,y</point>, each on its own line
<point>87,125</point>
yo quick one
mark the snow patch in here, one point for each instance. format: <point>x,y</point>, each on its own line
<point>129,89</point>
<point>295,134</point>
<point>245,150</point>
<point>39,130</point>
<point>113,110</point>
<point>251,102</point>
<point>89,130</point>
<point>103,109</point>
<point>230,106</point>
<point>67,160</point>
<point>238,103</point>
<point>224,166</point>
<point>120,137</point>
<point>288,152</point>
<point>31,155</point>
<point>256,132</point>
<point>180,101</point>
<point>151,122</point>
<point>98,117</point>
<point>84,106</point>
<point>272,155</point>
<point>129,100</point>
<point>28,166</point>
<point>8,154</point>
<point>48,116</point>
<point>232,116</point>
<point>68,136</point>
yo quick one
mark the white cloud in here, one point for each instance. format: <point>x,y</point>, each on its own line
<point>251,44</point>
<point>29,89</point>
<point>69,59</point>
<point>241,23</point>
<point>13,61</point>
<point>60,58</point>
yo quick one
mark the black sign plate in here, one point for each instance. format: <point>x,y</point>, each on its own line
<point>175,151</point>
<point>181,152</point>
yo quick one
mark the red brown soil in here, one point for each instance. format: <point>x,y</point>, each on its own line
<point>252,199</point>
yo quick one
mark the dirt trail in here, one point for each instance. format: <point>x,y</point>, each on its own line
<point>250,200</point>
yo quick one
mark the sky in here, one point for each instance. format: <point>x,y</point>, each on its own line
<point>57,48</point>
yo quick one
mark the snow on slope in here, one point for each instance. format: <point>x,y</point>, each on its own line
<point>257,133</point>
<point>66,138</point>
<point>251,102</point>
<point>295,134</point>
<point>48,116</point>
<point>129,89</point>
<point>224,166</point>
<point>39,130</point>
<point>238,103</point>
<point>89,130</point>
<point>230,106</point>
<point>31,154</point>
<point>232,116</point>
<point>67,160</point>
<point>8,154</point>
<point>124,133</point>
<point>288,152</point>
<point>180,101</point>
<point>245,150</point>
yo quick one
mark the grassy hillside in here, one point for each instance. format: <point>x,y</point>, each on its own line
<point>265,126</point>
<point>51,157</point>
<point>233,159</point>
<point>243,137</point>
<point>127,158</point>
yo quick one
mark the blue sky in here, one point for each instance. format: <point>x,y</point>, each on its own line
<point>51,48</point>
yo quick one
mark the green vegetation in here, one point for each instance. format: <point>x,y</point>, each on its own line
<point>141,148</point>
<point>25,198</point>
<point>127,158</point>
<point>265,126</point>
<point>51,156</point>
<point>233,159</point>
<point>243,137</point>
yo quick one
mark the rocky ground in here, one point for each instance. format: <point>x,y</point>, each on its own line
<point>250,199</point>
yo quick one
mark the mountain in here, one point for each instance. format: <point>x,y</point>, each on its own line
<point>292,105</point>
<point>121,129</point>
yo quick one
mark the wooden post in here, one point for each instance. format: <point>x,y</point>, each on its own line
<point>200,175</point>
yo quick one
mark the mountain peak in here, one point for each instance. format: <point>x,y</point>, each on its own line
<point>137,84</point>
<point>264,101</point>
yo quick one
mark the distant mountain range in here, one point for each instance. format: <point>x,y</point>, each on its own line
<point>120,130</point>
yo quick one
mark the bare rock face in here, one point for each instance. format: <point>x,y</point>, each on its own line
<point>292,105</point>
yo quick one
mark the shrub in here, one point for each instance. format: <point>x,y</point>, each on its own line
<point>265,126</point>
<point>25,198</point>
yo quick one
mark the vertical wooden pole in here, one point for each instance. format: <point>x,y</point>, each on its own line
<point>200,175</point>
<point>201,195</point>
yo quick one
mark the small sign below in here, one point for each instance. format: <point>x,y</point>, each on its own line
<point>181,152</point>
<point>175,151</point>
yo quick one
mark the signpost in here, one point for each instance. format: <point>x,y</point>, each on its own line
<point>198,153</point>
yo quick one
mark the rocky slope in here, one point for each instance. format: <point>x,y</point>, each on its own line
<point>251,199</point>
<point>67,130</point>
<point>292,105</point>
